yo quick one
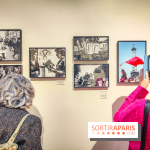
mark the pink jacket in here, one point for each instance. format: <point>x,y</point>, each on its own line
<point>132,110</point>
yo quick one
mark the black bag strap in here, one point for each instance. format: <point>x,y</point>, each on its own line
<point>144,129</point>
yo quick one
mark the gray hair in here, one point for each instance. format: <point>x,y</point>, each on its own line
<point>16,91</point>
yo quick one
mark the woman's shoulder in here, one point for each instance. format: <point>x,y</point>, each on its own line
<point>135,111</point>
<point>33,122</point>
<point>137,105</point>
<point>139,102</point>
<point>30,119</point>
<point>34,118</point>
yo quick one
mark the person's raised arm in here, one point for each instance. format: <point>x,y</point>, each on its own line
<point>139,93</point>
<point>121,66</point>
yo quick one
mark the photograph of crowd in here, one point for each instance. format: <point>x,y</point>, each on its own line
<point>91,48</point>
<point>9,69</point>
<point>47,62</point>
<point>10,45</point>
<point>130,60</point>
<point>95,75</point>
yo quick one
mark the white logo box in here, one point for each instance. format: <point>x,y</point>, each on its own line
<point>112,129</point>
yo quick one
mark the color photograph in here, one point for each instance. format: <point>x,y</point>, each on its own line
<point>130,60</point>
<point>95,75</point>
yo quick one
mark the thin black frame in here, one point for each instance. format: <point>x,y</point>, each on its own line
<point>93,86</point>
<point>91,37</point>
<point>20,43</point>
<point>118,60</point>
<point>45,48</point>
<point>14,65</point>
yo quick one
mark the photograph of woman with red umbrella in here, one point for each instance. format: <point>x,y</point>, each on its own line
<point>130,60</point>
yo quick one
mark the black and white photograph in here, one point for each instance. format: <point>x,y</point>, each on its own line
<point>10,45</point>
<point>130,60</point>
<point>87,76</point>
<point>47,62</point>
<point>91,48</point>
<point>9,69</point>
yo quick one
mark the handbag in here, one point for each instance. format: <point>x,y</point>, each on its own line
<point>10,145</point>
<point>144,129</point>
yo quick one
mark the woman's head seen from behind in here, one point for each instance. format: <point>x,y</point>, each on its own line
<point>16,91</point>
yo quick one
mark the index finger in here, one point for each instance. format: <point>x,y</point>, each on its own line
<point>140,79</point>
<point>146,75</point>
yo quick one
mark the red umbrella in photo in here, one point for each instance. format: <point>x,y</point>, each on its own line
<point>134,61</point>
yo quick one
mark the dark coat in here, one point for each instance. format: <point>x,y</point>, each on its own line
<point>29,135</point>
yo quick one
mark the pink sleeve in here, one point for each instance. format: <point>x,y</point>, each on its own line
<point>138,93</point>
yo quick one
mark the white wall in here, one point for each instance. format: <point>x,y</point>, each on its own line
<point>65,112</point>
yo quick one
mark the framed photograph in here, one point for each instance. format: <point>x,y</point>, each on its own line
<point>10,45</point>
<point>91,76</point>
<point>47,62</point>
<point>91,48</point>
<point>9,69</point>
<point>130,60</point>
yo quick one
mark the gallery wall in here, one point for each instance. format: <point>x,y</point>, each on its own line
<point>64,111</point>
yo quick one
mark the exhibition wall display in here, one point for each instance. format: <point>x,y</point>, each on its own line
<point>47,62</point>
<point>10,45</point>
<point>64,110</point>
<point>130,60</point>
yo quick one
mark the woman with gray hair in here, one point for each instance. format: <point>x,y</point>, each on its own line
<point>16,94</point>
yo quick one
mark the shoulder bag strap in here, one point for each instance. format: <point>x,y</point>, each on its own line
<point>12,138</point>
<point>144,129</point>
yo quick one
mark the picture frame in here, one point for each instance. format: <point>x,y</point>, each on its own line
<point>127,53</point>
<point>47,62</point>
<point>6,69</point>
<point>91,75</point>
<point>90,48</point>
<point>10,45</point>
